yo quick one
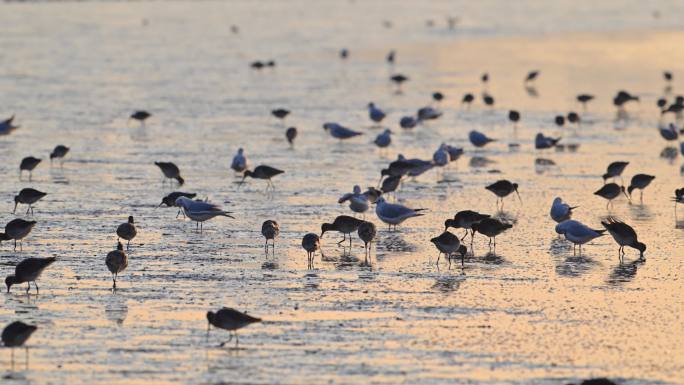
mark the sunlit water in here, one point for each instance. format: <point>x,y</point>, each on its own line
<point>530,312</point>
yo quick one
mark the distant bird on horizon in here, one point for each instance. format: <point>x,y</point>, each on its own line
<point>140,115</point>
<point>375,114</point>
<point>340,132</point>
<point>6,126</point>
<point>290,135</point>
<point>531,76</point>
<point>399,79</point>
<point>280,113</point>
<point>584,99</point>
<point>468,99</point>
<point>479,139</point>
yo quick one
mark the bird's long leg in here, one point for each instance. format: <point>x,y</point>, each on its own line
<point>27,358</point>
<point>28,289</point>
<point>128,244</point>
<point>350,242</point>
<point>641,196</point>
<point>28,209</point>
<point>448,257</point>
<point>201,227</point>
<point>12,359</point>
<point>344,238</point>
<point>438,256</point>
<point>113,282</point>
<point>237,339</point>
<point>36,285</point>
<point>266,246</point>
<point>465,235</point>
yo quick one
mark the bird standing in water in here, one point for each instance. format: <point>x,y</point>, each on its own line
<point>231,320</point>
<point>28,271</point>
<point>127,231</point>
<point>624,235</point>
<point>116,262</point>
<point>170,171</point>
<point>270,230</point>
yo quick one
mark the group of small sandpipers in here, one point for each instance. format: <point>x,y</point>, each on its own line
<point>392,214</point>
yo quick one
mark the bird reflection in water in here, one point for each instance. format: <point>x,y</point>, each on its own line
<point>574,266</point>
<point>669,153</point>
<point>116,309</point>
<point>532,91</point>
<point>624,272</point>
<point>395,242</point>
<point>448,282</point>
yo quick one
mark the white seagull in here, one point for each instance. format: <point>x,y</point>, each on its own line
<point>394,214</point>
<point>200,211</point>
<point>561,211</point>
<point>578,233</point>
<point>358,202</point>
<point>239,161</point>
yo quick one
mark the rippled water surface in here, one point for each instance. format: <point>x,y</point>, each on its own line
<point>528,312</point>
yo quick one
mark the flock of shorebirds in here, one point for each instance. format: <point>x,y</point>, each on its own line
<point>392,214</point>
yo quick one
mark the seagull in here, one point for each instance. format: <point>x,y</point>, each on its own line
<point>358,202</point>
<point>59,152</point>
<point>170,200</point>
<point>479,139</point>
<point>614,169</point>
<point>311,243</point>
<point>639,181</point>
<point>465,219</point>
<point>561,211</point>
<point>270,230</point>
<point>170,171</point>
<point>340,132</point>
<point>579,233</point>
<point>542,142</point>
<point>375,114</point>
<point>290,135</point>
<point>502,189</point>
<point>199,211</point>
<point>28,164</point>
<point>239,163</point>
<point>624,235</point>
<point>140,116</point>
<point>28,271</point>
<point>343,224</point>
<point>531,76</point>
<point>231,320</point>
<point>383,140</point>
<point>17,229</point>
<point>441,156</point>
<point>394,214</point>
<point>448,244</point>
<point>490,227</point>
<point>408,122</point>
<point>280,113</point>
<point>610,191</point>
<point>669,133</point>
<point>116,262</point>
<point>28,196</point>
<point>6,126</point>
<point>127,231</point>
<point>366,233</point>
<point>263,172</point>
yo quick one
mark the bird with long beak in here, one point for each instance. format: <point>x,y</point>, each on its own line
<point>231,320</point>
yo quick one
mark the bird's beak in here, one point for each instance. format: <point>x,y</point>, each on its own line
<point>160,205</point>
<point>15,207</point>
<point>208,327</point>
<point>518,194</point>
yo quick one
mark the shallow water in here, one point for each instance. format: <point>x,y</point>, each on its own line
<point>530,312</point>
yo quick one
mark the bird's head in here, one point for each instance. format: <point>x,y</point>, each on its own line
<point>119,246</point>
<point>180,180</point>
<point>629,190</point>
<point>130,219</point>
<point>641,247</point>
<point>16,202</point>
<point>246,174</point>
<point>183,202</point>
<point>450,223</point>
<point>326,227</point>
<point>210,316</point>
<point>9,281</point>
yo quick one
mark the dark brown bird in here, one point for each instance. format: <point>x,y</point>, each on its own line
<point>270,230</point>
<point>311,242</point>
<point>367,233</point>
<point>17,333</point>
<point>28,164</point>
<point>262,172</point>
<point>28,271</point>
<point>59,152</point>
<point>640,182</point>
<point>280,113</point>
<point>140,116</point>
<point>170,171</point>
<point>624,235</point>
<point>290,135</point>
<point>491,228</point>
<point>127,231</point>
<point>465,219</point>
<point>343,224</point>
<point>17,229</point>
<point>116,262</point>
<point>28,196</point>
<point>448,244</point>
<point>502,189</point>
<point>231,320</point>
<point>611,191</point>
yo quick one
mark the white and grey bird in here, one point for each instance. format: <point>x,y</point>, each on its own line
<point>394,214</point>
<point>542,142</point>
<point>239,163</point>
<point>358,201</point>
<point>338,131</point>
<point>441,156</point>
<point>561,211</point>
<point>199,211</point>
<point>578,233</point>
<point>384,139</point>
<point>479,139</point>
<point>669,133</point>
<point>375,114</point>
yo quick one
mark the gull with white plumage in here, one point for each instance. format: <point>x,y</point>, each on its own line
<point>394,214</point>
<point>199,211</point>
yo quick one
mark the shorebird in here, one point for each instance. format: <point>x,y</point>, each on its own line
<point>28,164</point>
<point>514,117</point>
<point>17,229</point>
<point>678,198</point>
<point>390,184</point>
<point>59,152</point>
<point>584,99</point>
<point>127,231</point>
<point>358,201</point>
<point>290,135</point>
<point>199,211</point>
<point>559,120</point>
<point>667,75</point>
<point>367,233</point>
<point>398,79</point>
<point>170,171</point>
<point>639,181</point>
<point>27,196</point>
<point>383,140</point>
<point>28,271</point>
<point>344,53</point>
<point>614,169</point>
<point>574,118</point>
<point>454,152</point>
<point>280,113</point>
<point>465,219</point>
<point>542,142</point>
<point>531,76</point>
<point>437,96</point>
<point>311,243</point>
<point>487,99</point>
<point>448,244</point>
<point>394,214</point>
<point>441,156</point>
<point>239,163</point>
<point>375,114</point>
<point>669,133</point>
<point>343,224</point>
<point>578,233</point>
<point>624,235</point>
<point>231,320</point>
<point>15,335</point>
<point>468,99</point>
<point>484,78</point>
<point>479,139</point>
<point>623,97</point>
<point>140,116</point>
<point>372,194</point>
<point>340,132</point>
<point>611,191</point>
<point>420,166</point>
<point>490,227</point>
<point>170,200</point>
<point>6,126</point>
<point>270,230</point>
<point>391,55</point>
<point>561,211</point>
<point>116,262</point>
<point>502,189</point>
<point>408,122</point>
<point>428,113</point>
<point>262,172</point>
